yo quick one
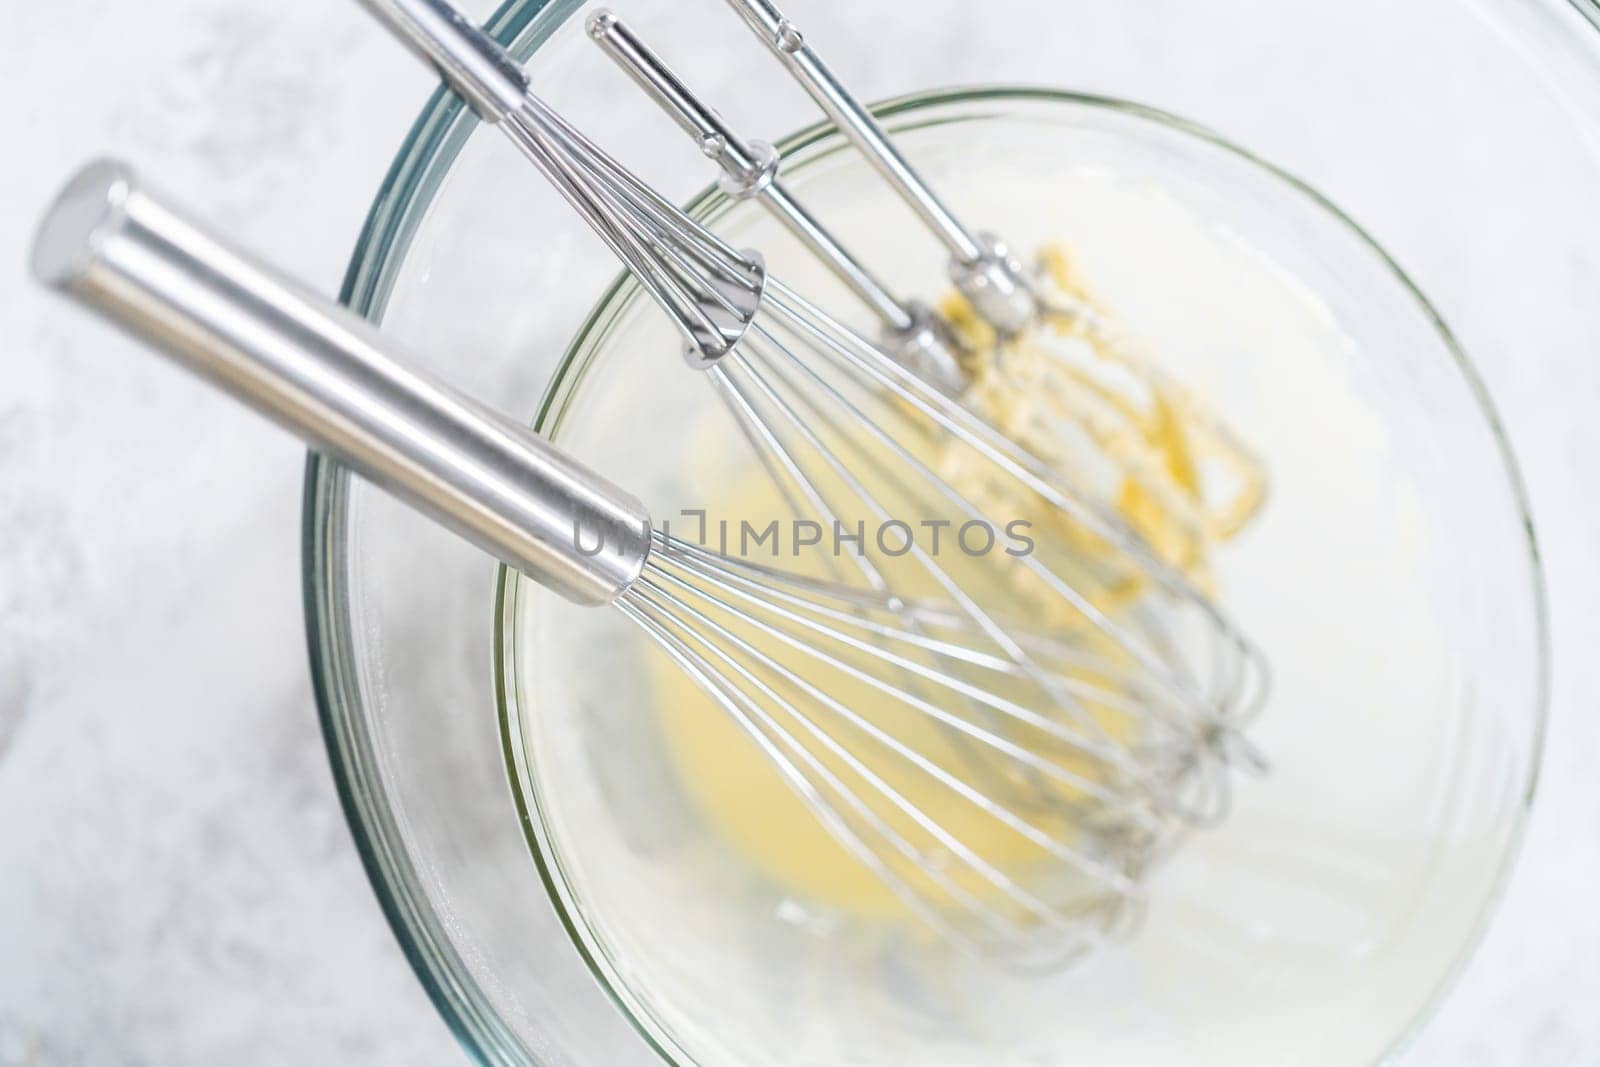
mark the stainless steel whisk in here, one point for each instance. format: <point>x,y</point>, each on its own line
<point>1118,723</point>
<point>774,650</point>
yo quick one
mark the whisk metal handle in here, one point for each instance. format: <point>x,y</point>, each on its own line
<point>744,162</point>
<point>467,59</point>
<point>913,333</point>
<point>852,117</point>
<point>328,376</point>
<point>750,167</point>
<point>980,265</point>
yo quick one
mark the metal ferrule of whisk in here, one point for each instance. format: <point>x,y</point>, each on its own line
<point>912,332</point>
<point>986,272</point>
<point>709,289</point>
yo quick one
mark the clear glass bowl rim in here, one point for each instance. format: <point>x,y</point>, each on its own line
<point>424,157</point>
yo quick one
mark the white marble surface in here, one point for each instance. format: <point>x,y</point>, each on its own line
<point>176,882</point>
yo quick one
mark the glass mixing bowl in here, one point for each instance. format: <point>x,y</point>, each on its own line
<point>1462,137</point>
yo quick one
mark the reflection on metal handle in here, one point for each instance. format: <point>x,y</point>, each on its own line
<point>744,163</point>
<point>985,271</point>
<point>329,376</point>
<point>469,60</point>
<point>851,116</point>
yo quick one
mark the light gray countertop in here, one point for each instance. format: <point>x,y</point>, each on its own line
<point>177,884</point>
